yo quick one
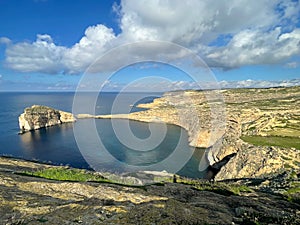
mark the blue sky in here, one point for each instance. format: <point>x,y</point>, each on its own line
<point>50,44</point>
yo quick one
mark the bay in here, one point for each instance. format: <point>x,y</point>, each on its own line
<point>58,145</point>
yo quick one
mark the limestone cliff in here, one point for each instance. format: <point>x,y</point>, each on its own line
<point>259,128</point>
<point>37,116</point>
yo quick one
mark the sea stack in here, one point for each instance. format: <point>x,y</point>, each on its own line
<point>38,116</point>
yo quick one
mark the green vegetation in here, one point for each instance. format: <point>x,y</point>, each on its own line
<point>275,103</point>
<point>79,175</point>
<point>66,174</point>
<point>275,90</point>
<point>266,103</point>
<point>286,142</point>
<point>223,188</point>
<point>216,187</point>
<point>38,109</point>
<point>293,194</point>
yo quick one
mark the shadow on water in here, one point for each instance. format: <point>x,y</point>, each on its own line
<point>191,169</point>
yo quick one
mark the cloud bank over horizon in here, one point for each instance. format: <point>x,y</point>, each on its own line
<point>226,35</point>
<point>162,86</point>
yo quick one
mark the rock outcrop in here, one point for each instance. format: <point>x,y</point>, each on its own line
<point>37,116</point>
<point>33,200</point>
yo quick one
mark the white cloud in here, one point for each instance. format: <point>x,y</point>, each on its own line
<point>144,86</point>
<point>258,32</point>
<point>292,65</point>
<point>96,41</point>
<point>259,83</point>
<point>163,86</point>
<point>190,22</point>
<point>250,47</point>
<point>5,40</point>
<point>40,56</point>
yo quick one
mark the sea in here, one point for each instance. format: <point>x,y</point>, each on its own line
<point>110,145</point>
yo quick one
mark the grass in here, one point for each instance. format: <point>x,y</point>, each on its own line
<point>66,174</point>
<point>79,175</point>
<point>222,188</point>
<point>293,194</point>
<point>285,132</point>
<point>286,142</point>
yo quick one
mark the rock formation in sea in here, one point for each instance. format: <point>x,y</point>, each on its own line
<point>38,116</point>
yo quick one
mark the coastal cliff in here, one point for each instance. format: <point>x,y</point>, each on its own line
<point>261,133</point>
<point>37,116</point>
<point>256,132</point>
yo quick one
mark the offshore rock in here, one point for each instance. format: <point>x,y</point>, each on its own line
<point>37,116</point>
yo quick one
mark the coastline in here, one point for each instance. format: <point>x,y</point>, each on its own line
<point>239,135</point>
<point>247,112</point>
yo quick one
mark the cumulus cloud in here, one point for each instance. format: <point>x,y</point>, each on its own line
<point>96,41</point>
<point>257,32</point>
<point>5,40</point>
<point>191,22</point>
<point>250,47</point>
<point>40,56</point>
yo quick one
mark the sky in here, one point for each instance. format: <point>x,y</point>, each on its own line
<point>52,45</point>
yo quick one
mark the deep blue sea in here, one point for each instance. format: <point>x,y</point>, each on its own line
<point>94,143</point>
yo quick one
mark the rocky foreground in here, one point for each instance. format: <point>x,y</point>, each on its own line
<point>32,200</point>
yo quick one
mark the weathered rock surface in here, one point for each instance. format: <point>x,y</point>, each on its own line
<point>31,200</point>
<point>37,116</point>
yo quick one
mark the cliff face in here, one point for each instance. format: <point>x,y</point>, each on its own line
<point>37,116</point>
<point>260,129</point>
